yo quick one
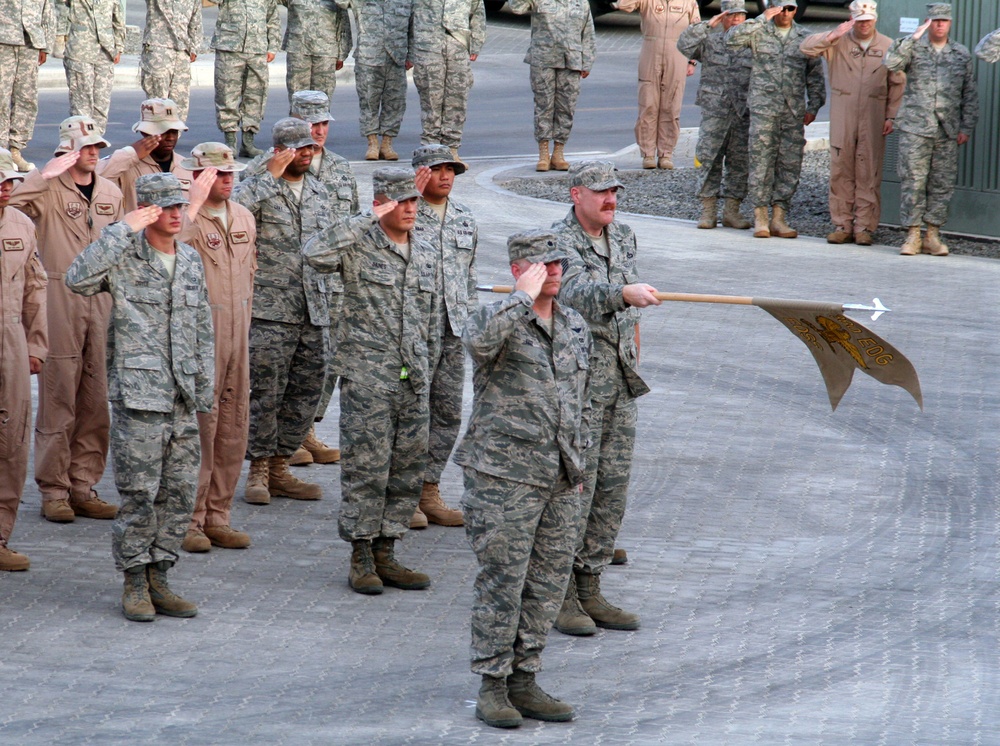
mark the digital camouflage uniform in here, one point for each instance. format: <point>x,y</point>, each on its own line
<point>523,455</point>
<point>172,34</point>
<point>95,31</point>
<point>562,46</point>
<point>988,48</point>
<point>383,347</point>
<point>445,34</point>
<point>317,37</point>
<point>384,46</point>
<point>160,373</point>
<point>245,32</point>
<point>725,118</point>
<point>27,28</point>
<point>781,79</point>
<point>940,102</point>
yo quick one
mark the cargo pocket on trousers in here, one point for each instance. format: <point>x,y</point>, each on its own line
<point>13,429</point>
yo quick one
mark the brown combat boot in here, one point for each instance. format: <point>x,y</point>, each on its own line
<point>620,557</point>
<point>196,542</point>
<point>432,506</point>
<point>666,162</point>
<point>281,483</point>
<point>863,238</point>
<point>778,226</point>
<point>840,236</point>
<point>22,165</point>
<point>11,561</point>
<point>385,151</point>
<point>913,242</point>
<point>58,511</point>
<point>227,537</point>
<point>362,576</point>
<point>649,161</point>
<point>605,615</point>
<point>709,212</point>
<point>493,707</point>
<point>559,162</point>
<point>529,699</point>
<point>761,227</point>
<point>301,457</point>
<point>91,506</point>
<point>544,159</point>
<point>731,216</point>
<point>136,604</point>
<point>321,453</point>
<point>256,492</point>
<point>391,572</point>
<point>933,244</point>
<point>165,601</point>
<point>372,153</point>
<point>418,520</point>
<point>572,619</point>
<point>454,155</point>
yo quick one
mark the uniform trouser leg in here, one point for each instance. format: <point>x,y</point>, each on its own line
<point>15,421</point>
<point>605,489</point>
<point>650,91</point>
<point>287,370</point>
<point>443,82</point>
<point>843,175</point>
<point>335,301</point>
<point>916,154</point>
<point>556,91</point>
<point>383,442</point>
<point>166,73</point>
<point>310,72</point>
<point>381,97</point>
<point>241,82</point>
<point>519,533</point>
<point>19,92</point>
<point>868,180</point>
<point>788,162</point>
<point>90,86</point>
<point>941,180</point>
<point>737,159</point>
<point>156,456</point>
<point>713,138</point>
<point>445,405</point>
<point>668,118</point>
<point>764,144</point>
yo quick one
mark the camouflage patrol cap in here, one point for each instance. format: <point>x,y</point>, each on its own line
<point>162,190</point>
<point>292,133</point>
<point>938,11</point>
<point>158,115</point>
<point>595,175</point>
<point>539,245</point>
<point>311,106</point>
<point>212,155</point>
<point>863,10</point>
<point>435,154</point>
<point>75,133</point>
<point>395,183</point>
<point>733,6</point>
<point>783,3</point>
<point>8,170</point>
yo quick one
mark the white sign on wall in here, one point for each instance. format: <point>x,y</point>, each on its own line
<point>908,25</point>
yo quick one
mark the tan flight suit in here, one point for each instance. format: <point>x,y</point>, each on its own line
<point>22,335</point>
<point>73,423</point>
<point>662,71</point>
<point>123,167</point>
<point>865,94</point>
<point>230,260</point>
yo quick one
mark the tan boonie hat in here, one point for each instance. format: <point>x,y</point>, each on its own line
<point>435,154</point>
<point>311,106</point>
<point>395,183</point>
<point>212,155</point>
<point>75,133</point>
<point>595,175</point>
<point>733,6</point>
<point>292,133</point>
<point>863,10</point>
<point>158,115</point>
<point>162,190</point>
<point>938,11</point>
<point>539,245</point>
<point>8,170</point>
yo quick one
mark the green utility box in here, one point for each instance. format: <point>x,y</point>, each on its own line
<point>975,208</point>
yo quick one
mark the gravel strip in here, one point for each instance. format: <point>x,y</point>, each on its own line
<point>672,194</point>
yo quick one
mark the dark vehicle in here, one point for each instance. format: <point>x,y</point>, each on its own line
<point>761,4</point>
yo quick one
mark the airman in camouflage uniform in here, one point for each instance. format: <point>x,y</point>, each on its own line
<point>385,340</point>
<point>247,36</point>
<point>561,53</point>
<point>317,40</point>
<point>988,48</point>
<point>601,283</point>
<point>171,41</point>
<point>524,459</point>
<point>27,30</point>
<point>450,228</point>
<point>289,332</point>
<point>95,40</point>
<point>939,112</point>
<point>781,79</point>
<point>725,119</point>
<point>447,36</point>
<point>381,59</point>
<point>161,367</point>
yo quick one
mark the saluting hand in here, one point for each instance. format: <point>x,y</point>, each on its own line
<point>199,190</point>
<point>531,280</point>
<point>423,176</point>
<point>840,30</point>
<point>278,162</point>
<point>60,164</point>
<point>142,216</point>
<point>772,12</point>
<point>922,29</point>
<point>146,145</point>
<point>716,20</point>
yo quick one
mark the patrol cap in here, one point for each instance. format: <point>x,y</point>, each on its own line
<point>8,170</point>
<point>292,133</point>
<point>158,115</point>
<point>311,106</point>
<point>863,10</point>
<point>595,175</point>
<point>733,6</point>
<point>435,154</point>
<point>395,183</point>
<point>538,245</point>
<point>783,3</point>
<point>75,133</point>
<point>938,11</point>
<point>162,190</point>
<point>212,155</point>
